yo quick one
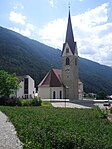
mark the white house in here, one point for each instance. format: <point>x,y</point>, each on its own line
<point>27,88</point>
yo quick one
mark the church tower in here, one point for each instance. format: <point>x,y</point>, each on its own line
<point>70,64</point>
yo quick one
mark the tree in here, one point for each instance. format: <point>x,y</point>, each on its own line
<point>101,95</point>
<point>8,83</point>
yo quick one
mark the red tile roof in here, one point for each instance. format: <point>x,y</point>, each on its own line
<point>52,79</point>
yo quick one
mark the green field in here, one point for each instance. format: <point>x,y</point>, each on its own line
<point>60,128</point>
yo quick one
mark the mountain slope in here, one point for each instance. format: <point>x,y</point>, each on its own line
<point>25,56</point>
<point>95,77</point>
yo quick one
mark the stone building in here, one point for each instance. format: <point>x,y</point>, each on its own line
<point>70,64</point>
<point>64,83</point>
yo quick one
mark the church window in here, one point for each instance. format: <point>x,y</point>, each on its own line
<point>76,61</point>
<point>67,50</point>
<point>60,94</point>
<point>67,61</point>
<point>54,95</point>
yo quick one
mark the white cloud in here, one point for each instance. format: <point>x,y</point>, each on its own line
<point>17,17</point>
<point>54,32</point>
<point>92,32</point>
<point>28,30</point>
<point>25,28</point>
<point>18,5</point>
<point>52,3</point>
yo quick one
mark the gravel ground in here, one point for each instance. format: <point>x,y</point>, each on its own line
<point>8,137</point>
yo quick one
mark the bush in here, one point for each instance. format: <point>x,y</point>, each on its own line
<point>8,101</point>
<point>36,101</point>
<point>111,110</point>
<point>3,100</point>
<point>29,102</point>
<point>19,102</point>
<point>101,95</point>
<point>101,113</point>
<point>11,102</point>
<point>26,102</point>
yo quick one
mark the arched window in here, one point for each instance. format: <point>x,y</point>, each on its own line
<point>67,50</point>
<point>54,94</point>
<point>67,61</point>
<point>60,94</point>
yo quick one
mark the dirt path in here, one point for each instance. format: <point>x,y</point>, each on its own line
<point>8,137</point>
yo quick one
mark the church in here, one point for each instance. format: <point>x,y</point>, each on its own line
<point>64,83</point>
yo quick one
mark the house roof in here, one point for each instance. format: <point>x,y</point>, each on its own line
<point>69,36</point>
<point>52,79</point>
<point>20,78</point>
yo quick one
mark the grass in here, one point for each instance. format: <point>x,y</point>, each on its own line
<point>60,128</point>
<point>46,104</point>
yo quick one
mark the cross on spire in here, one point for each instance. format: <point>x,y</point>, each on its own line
<point>69,5</point>
<point>69,33</point>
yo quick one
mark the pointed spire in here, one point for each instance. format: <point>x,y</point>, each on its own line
<point>69,33</point>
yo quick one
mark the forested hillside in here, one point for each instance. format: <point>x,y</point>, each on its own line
<point>95,77</point>
<point>22,55</point>
<point>25,56</point>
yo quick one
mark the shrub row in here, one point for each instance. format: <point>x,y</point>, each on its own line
<point>20,102</point>
<point>29,102</point>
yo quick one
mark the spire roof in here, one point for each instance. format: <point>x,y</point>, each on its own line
<point>69,35</point>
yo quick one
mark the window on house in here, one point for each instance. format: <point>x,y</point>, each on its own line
<point>26,86</point>
<point>67,61</point>
<point>67,50</point>
<point>26,96</point>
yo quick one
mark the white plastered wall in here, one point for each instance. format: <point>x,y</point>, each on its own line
<point>31,87</point>
<point>44,92</point>
<point>47,92</point>
<point>20,91</point>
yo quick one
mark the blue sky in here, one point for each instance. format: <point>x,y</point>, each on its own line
<point>46,21</point>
